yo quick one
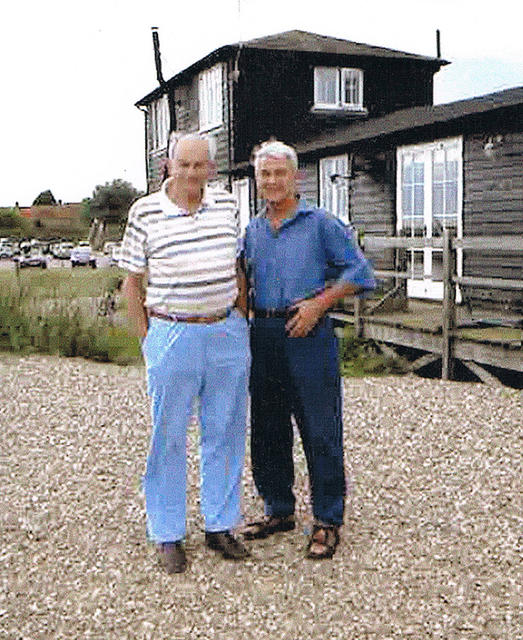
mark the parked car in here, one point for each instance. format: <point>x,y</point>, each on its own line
<point>62,250</point>
<point>82,255</point>
<point>33,259</point>
<point>6,250</point>
<point>115,256</point>
<point>109,246</point>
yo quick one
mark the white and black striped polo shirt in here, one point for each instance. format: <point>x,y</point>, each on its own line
<point>190,260</point>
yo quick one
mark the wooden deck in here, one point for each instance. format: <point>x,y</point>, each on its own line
<point>498,344</point>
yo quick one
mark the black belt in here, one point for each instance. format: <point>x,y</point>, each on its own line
<point>273,313</point>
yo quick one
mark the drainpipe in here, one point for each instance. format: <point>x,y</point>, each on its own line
<point>146,144</point>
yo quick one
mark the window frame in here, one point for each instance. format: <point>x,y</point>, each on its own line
<point>158,116</point>
<point>341,74</point>
<point>334,195</point>
<point>210,90</point>
<point>422,283</point>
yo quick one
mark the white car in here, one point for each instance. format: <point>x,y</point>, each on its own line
<point>115,256</point>
<point>33,259</point>
<point>81,255</point>
<point>62,250</point>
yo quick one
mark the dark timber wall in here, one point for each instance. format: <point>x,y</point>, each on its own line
<point>493,205</point>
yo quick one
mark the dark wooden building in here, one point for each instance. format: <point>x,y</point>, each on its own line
<point>418,170</point>
<point>290,85</point>
<point>372,147</point>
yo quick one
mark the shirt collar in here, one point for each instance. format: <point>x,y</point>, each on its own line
<point>303,209</point>
<point>171,209</point>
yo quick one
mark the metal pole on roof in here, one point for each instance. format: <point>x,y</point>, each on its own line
<point>157,56</point>
<point>438,44</point>
<point>240,22</point>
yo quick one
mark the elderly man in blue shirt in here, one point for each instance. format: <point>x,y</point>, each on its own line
<point>300,261</point>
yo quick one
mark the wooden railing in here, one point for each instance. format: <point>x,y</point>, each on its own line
<point>449,245</point>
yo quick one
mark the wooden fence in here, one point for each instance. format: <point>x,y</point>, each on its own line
<point>449,245</point>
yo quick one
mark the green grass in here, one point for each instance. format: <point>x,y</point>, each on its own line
<point>65,284</point>
<point>57,312</point>
<point>360,358</point>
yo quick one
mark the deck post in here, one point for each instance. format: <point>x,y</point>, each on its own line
<point>358,312</point>
<point>449,306</point>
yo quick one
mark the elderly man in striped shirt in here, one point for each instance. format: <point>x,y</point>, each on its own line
<point>195,345</point>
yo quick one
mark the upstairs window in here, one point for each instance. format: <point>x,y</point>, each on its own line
<point>210,97</point>
<point>338,88</point>
<point>158,123</point>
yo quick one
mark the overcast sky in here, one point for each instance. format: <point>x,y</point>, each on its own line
<point>71,72</point>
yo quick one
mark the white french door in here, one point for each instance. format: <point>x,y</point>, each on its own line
<point>429,198</point>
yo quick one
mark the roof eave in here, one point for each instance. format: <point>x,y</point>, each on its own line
<point>215,55</point>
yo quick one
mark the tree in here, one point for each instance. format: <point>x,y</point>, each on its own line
<point>111,201</point>
<point>110,204</point>
<point>12,223</point>
<point>46,197</point>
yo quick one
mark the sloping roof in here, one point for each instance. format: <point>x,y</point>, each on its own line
<point>315,43</point>
<point>295,40</point>
<point>411,119</point>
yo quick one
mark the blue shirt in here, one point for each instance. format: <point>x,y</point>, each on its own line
<point>310,250</point>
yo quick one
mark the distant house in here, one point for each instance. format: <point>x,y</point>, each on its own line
<point>62,219</point>
<point>66,211</point>
<point>289,85</point>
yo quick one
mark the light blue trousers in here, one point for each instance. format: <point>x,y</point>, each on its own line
<point>184,362</point>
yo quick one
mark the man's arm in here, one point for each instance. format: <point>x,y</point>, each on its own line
<point>134,292</point>
<point>310,311</point>
<point>241,279</point>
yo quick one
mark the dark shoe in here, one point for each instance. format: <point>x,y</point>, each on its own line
<point>267,526</point>
<point>226,544</point>
<point>323,541</point>
<point>172,557</point>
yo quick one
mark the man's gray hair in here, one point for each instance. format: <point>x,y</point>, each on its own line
<point>275,149</point>
<point>176,136</point>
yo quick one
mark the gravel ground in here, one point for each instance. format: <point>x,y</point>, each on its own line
<point>430,548</point>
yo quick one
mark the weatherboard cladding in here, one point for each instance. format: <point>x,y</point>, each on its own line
<point>492,205</point>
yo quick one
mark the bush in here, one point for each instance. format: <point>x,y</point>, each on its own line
<point>32,323</point>
<point>362,357</point>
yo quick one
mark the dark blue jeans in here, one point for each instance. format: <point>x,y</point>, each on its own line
<point>299,377</point>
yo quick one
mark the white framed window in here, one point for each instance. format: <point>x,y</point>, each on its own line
<point>430,198</point>
<point>333,189</point>
<point>158,123</point>
<point>210,97</point>
<point>429,187</point>
<point>338,88</point>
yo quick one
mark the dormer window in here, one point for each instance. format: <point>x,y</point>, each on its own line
<point>338,88</point>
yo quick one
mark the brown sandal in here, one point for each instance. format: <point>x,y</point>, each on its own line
<point>267,526</point>
<point>327,537</point>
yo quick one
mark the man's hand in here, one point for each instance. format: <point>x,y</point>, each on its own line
<point>133,291</point>
<point>305,317</point>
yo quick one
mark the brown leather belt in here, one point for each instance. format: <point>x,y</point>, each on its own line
<point>174,317</point>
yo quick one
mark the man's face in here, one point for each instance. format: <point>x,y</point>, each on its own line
<point>276,179</point>
<point>190,168</point>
